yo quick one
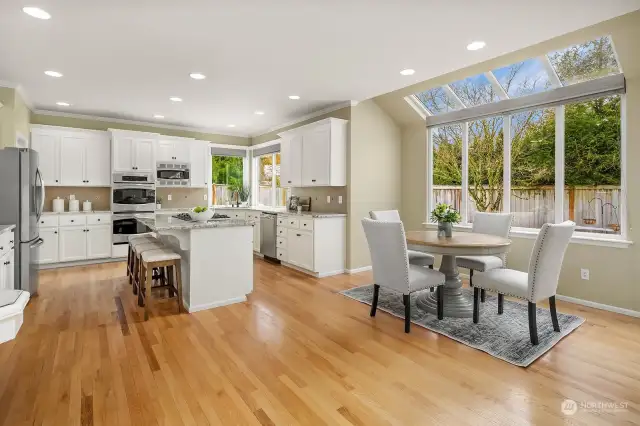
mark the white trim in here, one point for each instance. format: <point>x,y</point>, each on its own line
<point>615,53</point>
<point>506,164</point>
<point>464,201</point>
<point>305,117</point>
<point>601,306</point>
<point>204,130</point>
<point>551,72</point>
<point>429,172</point>
<point>624,228</point>
<point>502,94</point>
<point>264,144</point>
<point>358,270</point>
<point>202,307</point>
<point>417,106</point>
<point>452,95</point>
<point>313,274</point>
<point>531,234</point>
<point>559,172</point>
<point>80,263</point>
<point>222,145</point>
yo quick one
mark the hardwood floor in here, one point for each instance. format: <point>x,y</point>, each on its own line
<point>296,353</point>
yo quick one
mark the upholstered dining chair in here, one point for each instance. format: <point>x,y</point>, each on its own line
<point>391,267</point>
<point>540,283</point>
<point>498,224</point>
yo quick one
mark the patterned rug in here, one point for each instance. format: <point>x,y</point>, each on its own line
<point>503,336</point>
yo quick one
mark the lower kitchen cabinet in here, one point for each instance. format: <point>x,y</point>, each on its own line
<point>72,244</point>
<point>7,268</point>
<point>300,248</point>
<point>98,241</point>
<point>49,248</point>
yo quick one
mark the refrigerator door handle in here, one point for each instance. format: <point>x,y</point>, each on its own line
<point>37,243</point>
<point>42,193</point>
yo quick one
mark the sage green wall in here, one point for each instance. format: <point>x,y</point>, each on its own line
<point>83,123</point>
<point>21,116</point>
<point>7,125</point>
<point>613,271</point>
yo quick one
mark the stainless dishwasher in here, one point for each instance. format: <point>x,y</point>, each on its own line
<point>268,224</point>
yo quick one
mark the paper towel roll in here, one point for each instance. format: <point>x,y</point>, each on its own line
<point>58,205</point>
<point>74,205</point>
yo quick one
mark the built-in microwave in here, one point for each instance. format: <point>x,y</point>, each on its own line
<point>172,174</point>
<point>133,192</point>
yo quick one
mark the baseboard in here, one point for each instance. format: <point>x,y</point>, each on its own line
<point>313,274</point>
<point>357,270</point>
<point>601,306</point>
<point>217,304</point>
<point>80,263</point>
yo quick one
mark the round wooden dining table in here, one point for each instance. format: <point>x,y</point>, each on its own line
<point>458,302</point>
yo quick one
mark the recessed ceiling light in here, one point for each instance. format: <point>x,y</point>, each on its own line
<point>53,74</point>
<point>476,45</point>
<point>259,112</point>
<point>231,125</point>
<point>158,116</point>
<point>36,12</point>
<point>175,99</point>
<point>197,76</point>
<point>408,71</point>
<point>294,97</point>
<point>63,104</point>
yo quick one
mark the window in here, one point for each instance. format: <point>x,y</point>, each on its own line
<point>268,181</point>
<point>227,176</point>
<point>557,158</point>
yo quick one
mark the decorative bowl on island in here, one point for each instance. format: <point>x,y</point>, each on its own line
<point>201,214</point>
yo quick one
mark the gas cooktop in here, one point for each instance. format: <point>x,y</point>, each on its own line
<point>187,218</point>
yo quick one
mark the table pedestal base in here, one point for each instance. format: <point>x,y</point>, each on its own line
<point>458,302</point>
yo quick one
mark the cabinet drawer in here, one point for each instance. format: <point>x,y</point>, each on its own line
<point>6,242</point>
<point>281,243</point>
<point>281,254</point>
<point>282,220</point>
<point>48,221</point>
<point>281,232</point>
<point>306,224</point>
<point>73,220</point>
<point>99,219</point>
<point>237,215</point>
<point>292,222</point>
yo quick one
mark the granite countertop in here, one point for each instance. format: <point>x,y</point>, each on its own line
<point>6,228</point>
<point>262,209</point>
<point>166,223</point>
<point>317,215</point>
<point>80,212</point>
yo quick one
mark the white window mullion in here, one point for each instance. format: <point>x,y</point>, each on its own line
<point>624,230</point>
<point>464,210</point>
<point>429,160</point>
<point>559,152</point>
<point>506,164</point>
<point>273,180</point>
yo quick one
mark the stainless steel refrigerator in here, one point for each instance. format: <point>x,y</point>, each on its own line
<point>21,204</point>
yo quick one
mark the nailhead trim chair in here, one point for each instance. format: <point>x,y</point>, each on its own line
<point>498,224</point>
<point>540,283</point>
<point>391,268</point>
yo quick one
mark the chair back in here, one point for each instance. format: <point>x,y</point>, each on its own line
<point>546,259</point>
<point>385,215</point>
<point>388,248</point>
<point>498,224</point>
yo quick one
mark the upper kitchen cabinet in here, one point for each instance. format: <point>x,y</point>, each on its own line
<point>200,159</point>
<point>169,149</point>
<point>72,157</point>
<point>315,154</point>
<point>133,151</point>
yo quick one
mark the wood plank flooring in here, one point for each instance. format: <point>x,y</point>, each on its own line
<point>296,353</point>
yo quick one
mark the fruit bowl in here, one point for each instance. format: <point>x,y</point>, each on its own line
<point>201,216</point>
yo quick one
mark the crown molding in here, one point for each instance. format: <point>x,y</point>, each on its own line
<point>306,117</point>
<point>137,123</point>
<point>21,91</point>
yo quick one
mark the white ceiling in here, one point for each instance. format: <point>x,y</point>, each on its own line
<point>124,58</point>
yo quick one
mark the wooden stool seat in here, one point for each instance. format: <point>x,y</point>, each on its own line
<point>137,249</point>
<point>162,259</point>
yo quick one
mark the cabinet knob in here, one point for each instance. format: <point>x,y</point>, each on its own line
<point>298,235</point>
<point>98,220</point>
<point>55,232</point>
<point>313,180</point>
<point>11,241</point>
<point>288,181</point>
<point>56,180</point>
<point>71,220</point>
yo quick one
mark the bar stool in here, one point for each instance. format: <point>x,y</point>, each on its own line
<point>139,248</point>
<point>132,240</point>
<point>159,258</point>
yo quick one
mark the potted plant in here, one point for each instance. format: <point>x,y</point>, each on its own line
<point>240,193</point>
<point>446,216</point>
<point>158,203</point>
<point>243,194</point>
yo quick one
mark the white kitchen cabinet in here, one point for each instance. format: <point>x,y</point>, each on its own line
<point>47,144</point>
<point>144,158</point>
<point>97,161</point>
<point>122,153</point>
<point>300,248</point>
<point>72,153</point>
<point>48,252</point>
<point>200,159</point>
<point>98,241</point>
<point>254,217</point>
<point>7,269</point>
<point>72,243</point>
<point>315,154</point>
<point>173,149</point>
<point>133,151</point>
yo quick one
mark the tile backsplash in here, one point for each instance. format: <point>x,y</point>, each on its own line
<point>182,197</point>
<point>319,198</point>
<point>100,197</point>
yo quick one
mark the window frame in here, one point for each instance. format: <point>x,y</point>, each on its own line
<point>256,180</point>
<point>245,170</point>
<point>620,240</point>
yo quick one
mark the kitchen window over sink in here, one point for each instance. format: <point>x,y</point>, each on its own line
<point>266,188</point>
<point>228,168</point>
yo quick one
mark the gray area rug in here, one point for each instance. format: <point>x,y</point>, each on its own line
<point>503,336</point>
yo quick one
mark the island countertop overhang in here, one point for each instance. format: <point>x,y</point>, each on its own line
<point>167,223</point>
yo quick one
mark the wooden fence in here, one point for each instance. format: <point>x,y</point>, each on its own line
<point>532,207</point>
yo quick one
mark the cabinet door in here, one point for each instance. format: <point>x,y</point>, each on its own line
<point>48,147</point>
<point>122,154</point>
<point>316,156</point>
<point>164,151</point>
<point>300,248</point>
<point>181,151</point>
<point>72,150</point>
<point>291,162</point>
<point>98,241</point>
<point>3,272</point>
<point>144,155</point>
<point>72,244</point>
<point>97,162</point>
<point>256,235</point>
<point>200,159</point>
<point>49,249</point>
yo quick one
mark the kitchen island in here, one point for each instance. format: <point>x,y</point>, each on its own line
<point>217,258</point>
